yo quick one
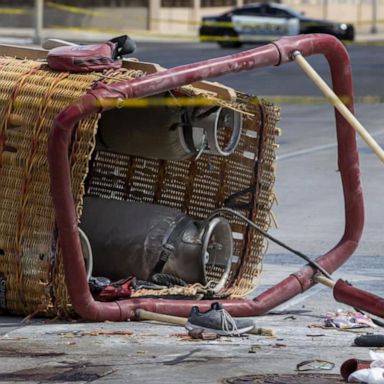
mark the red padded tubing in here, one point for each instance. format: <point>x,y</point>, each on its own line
<point>345,293</point>
<point>269,55</point>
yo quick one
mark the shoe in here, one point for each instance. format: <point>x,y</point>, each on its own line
<point>218,320</point>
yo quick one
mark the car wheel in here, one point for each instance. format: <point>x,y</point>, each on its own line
<point>231,42</point>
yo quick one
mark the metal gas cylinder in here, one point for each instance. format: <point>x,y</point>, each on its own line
<point>129,238</point>
<point>170,133</point>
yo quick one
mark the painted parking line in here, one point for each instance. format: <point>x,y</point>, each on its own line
<point>307,151</point>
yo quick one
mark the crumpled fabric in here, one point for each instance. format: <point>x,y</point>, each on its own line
<point>372,375</point>
<point>347,319</point>
<point>118,290</point>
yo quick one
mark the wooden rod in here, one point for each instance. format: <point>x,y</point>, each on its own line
<point>141,314</point>
<point>324,280</point>
<point>338,104</point>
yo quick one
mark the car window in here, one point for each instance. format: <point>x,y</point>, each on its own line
<point>277,12</point>
<point>254,11</point>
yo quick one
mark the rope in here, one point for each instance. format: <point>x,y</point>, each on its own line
<point>268,236</point>
<point>168,280</point>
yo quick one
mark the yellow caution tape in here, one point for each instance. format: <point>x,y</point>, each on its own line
<point>202,101</point>
<point>124,31</point>
<point>157,102</point>
<point>312,100</point>
<point>214,39</point>
<point>96,30</point>
<point>206,102</point>
<point>73,9</point>
<point>14,11</point>
<point>219,24</point>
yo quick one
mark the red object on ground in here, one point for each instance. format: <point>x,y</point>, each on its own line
<point>118,290</point>
<point>352,365</point>
<point>273,54</point>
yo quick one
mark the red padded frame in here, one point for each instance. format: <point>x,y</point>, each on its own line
<point>273,54</point>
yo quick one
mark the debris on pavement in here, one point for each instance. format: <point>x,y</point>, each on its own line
<point>188,337</point>
<point>203,334</point>
<point>345,320</point>
<point>96,333</point>
<point>70,343</point>
<point>278,345</point>
<point>315,365</point>
<point>262,332</point>
<point>107,333</point>
<point>254,348</point>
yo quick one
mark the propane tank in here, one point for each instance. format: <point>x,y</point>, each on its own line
<point>171,133</point>
<point>130,238</point>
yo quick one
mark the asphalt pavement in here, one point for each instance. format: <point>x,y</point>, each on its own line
<point>311,218</point>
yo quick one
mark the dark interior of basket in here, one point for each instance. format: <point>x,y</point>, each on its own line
<point>196,187</point>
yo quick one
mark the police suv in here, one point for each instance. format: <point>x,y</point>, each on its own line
<point>263,22</point>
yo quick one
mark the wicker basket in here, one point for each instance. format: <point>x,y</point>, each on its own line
<point>31,96</point>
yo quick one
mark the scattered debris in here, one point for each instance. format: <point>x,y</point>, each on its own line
<point>257,347</point>
<point>182,336</point>
<point>315,365</point>
<point>262,332</point>
<point>278,345</point>
<point>254,348</point>
<point>199,333</point>
<point>68,335</point>
<point>70,343</point>
<point>107,333</point>
<point>196,335</point>
<point>345,320</point>
<point>290,312</point>
<point>316,335</point>
<point>96,333</point>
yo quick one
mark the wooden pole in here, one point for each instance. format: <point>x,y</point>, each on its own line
<point>338,104</point>
<point>324,280</point>
<point>141,314</point>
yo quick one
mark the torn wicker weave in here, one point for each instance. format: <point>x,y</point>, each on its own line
<point>31,266</point>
